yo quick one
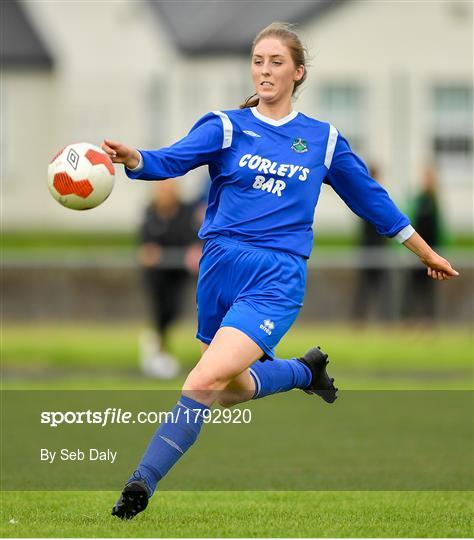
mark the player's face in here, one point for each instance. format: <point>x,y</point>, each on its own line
<point>273,71</point>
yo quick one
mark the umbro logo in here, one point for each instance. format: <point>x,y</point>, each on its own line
<point>73,158</point>
<point>251,133</point>
<point>267,326</point>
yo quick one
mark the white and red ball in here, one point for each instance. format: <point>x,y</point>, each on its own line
<point>81,176</point>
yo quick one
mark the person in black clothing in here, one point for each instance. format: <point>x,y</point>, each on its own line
<point>373,282</point>
<point>169,252</point>
<point>419,299</point>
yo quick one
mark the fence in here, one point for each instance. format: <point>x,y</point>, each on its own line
<point>105,285</point>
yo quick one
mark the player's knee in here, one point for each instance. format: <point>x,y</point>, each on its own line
<point>204,380</point>
<point>226,401</point>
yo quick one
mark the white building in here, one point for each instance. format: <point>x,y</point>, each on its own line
<point>395,77</point>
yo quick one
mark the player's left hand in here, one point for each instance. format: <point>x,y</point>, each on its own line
<point>438,267</point>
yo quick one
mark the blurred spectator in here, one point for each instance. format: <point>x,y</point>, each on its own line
<point>373,289</point>
<point>419,293</point>
<point>169,253</point>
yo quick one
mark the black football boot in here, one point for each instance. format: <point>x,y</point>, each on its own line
<point>321,383</point>
<point>132,500</point>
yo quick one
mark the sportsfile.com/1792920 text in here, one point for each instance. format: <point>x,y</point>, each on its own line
<point>113,415</point>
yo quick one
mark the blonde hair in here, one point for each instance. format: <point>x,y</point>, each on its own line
<point>285,33</point>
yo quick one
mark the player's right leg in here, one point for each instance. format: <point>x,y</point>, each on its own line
<point>262,379</point>
<point>267,293</point>
<point>246,386</point>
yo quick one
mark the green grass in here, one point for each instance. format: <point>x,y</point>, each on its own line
<point>243,514</point>
<point>114,346</point>
<point>94,356</point>
<point>28,240</point>
<point>36,240</point>
<point>367,357</point>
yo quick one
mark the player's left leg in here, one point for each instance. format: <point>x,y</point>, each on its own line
<point>229,354</point>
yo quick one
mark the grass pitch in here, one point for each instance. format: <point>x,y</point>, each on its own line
<point>95,356</point>
<point>369,357</point>
<point>243,514</point>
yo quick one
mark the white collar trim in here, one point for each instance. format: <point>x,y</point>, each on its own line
<point>271,121</point>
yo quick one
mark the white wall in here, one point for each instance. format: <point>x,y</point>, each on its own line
<point>106,55</point>
<point>398,50</point>
<point>118,75</point>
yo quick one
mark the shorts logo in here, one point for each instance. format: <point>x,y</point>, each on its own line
<point>299,145</point>
<point>267,326</point>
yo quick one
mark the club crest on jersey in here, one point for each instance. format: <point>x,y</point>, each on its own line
<point>299,145</point>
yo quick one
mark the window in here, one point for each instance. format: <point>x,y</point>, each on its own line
<point>452,120</point>
<point>344,106</point>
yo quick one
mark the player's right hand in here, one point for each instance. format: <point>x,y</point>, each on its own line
<point>120,153</point>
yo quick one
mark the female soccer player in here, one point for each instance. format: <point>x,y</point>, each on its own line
<point>267,163</point>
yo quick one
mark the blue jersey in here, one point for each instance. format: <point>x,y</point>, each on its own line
<point>267,175</point>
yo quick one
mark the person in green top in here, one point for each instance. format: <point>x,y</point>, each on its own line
<point>419,295</point>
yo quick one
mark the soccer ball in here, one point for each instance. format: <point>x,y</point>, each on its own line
<point>81,176</point>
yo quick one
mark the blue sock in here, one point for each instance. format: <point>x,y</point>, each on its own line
<point>274,376</point>
<point>170,441</point>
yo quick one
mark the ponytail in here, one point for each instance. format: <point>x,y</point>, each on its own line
<point>251,101</point>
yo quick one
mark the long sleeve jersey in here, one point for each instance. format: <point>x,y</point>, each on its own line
<point>266,176</point>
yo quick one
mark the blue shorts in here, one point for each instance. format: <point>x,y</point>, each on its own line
<point>258,291</point>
